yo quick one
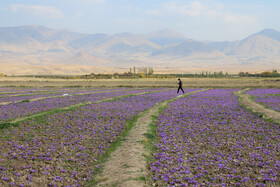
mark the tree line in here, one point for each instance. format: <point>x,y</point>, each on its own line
<point>129,75</point>
<point>272,73</point>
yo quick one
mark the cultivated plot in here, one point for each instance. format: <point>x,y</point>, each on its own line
<point>270,98</point>
<point>21,109</point>
<point>205,138</point>
<point>63,148</point>
<point>208,139</point>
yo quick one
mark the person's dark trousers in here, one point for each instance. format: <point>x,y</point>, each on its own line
<point>181,89</point>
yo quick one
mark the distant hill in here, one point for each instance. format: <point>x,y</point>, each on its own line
<point>37,33</point>
<point>35,45</point>
<point>270,33</point>
<point>262,44</point>
<point>165,37</point>
<point>86,59</point>
<point>185,48</point>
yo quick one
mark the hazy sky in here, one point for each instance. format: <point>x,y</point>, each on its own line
<point>197,19</point>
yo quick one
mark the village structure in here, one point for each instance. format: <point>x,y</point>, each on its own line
<point>144,70</point>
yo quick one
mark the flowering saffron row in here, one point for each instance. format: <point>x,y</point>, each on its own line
<point>62,149</point>
<point>207,139</point>
<point>270,98</point>
<point>16,110</point>
<point>19,96</point>
<point>12,91</point>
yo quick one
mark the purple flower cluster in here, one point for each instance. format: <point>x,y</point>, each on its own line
<point>32,95</point>
<point>62,149</point>
<point>19,90</point>
<point>270,98</point>
<point>15,110</point>
<point>26,97</point>
<point>207,139</point>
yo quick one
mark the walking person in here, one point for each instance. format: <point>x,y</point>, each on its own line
<point>180,86</point>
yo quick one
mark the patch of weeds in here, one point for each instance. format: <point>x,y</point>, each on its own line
<point>261,115</point>
<point>23,139</point>
<point>7,137</point>
<point>149,135</point>
<point>126,166</point>
<point>125,86</point>
<point>25,101</point>
<point>142,178</point>
<point>6,125</point>
<point>115,184</point>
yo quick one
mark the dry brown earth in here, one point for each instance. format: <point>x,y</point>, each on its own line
<point>235,82</point>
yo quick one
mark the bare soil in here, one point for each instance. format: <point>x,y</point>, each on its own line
<point>127,164</point>
<point>258,108</point>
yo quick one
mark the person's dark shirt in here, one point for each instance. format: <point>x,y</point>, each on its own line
<point>180,83</point>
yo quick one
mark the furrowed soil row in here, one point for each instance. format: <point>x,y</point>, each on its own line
<point>126,166</point>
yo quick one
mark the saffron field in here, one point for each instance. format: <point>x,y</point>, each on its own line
<point>13,97</point>
<point>21,109</point>
<point>270,98</point>
<point>207,139</point>
<point>202,139</point>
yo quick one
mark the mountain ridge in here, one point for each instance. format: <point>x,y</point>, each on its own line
<point>36,44</point>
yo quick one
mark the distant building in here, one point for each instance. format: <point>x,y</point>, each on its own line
<point>144,70</point>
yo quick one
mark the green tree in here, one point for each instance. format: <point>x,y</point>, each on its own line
<point>266,74</point>
<point>141,75</point>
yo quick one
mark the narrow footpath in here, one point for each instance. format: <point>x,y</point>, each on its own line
<point>127,164</point>
<point>255,107</point>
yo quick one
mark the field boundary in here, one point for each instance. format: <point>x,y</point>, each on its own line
<point>246,101</point>
<point>14,122</point>
<point>232,82</point>
<point>127,165</point>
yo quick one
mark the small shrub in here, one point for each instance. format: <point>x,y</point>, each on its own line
<point>25,101</point>
<point>5,125</point>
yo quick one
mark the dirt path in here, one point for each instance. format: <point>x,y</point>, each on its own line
<point>255,107</point>
<point>127,164</point>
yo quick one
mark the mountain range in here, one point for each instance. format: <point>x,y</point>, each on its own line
<point>34,49</point>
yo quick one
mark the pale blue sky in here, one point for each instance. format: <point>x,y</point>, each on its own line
<point>197,19</point>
